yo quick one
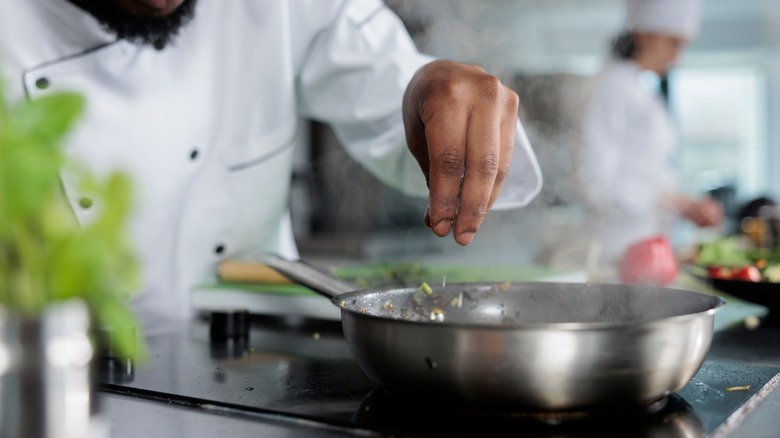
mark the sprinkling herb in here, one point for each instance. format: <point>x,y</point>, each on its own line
<point>738,388</point>
<point>457,301</point>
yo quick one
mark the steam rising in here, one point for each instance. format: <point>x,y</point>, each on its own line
<point>545,50</point>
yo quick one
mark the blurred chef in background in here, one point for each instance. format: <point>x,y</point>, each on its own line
<point>200,102</point>
<point>627,173</point>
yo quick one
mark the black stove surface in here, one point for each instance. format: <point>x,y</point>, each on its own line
<point>303,369</point>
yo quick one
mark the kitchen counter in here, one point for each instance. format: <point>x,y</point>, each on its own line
<point>296,377</point>
<point>746,349</point>
<point>132,416</point>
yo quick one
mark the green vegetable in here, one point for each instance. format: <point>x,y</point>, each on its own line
<point>734,252</point>
<point>728,251</point>
<point>772,273</point>
<point>425,288</point>
<point>45,254</point>
<point>386,274</point>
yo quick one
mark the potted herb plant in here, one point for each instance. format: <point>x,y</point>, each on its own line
<point>61,281</point>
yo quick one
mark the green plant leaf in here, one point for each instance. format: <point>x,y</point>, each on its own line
<point>122,328</point>
<point>29,177</point>
<point>48,118</point>
<point>46,255</point>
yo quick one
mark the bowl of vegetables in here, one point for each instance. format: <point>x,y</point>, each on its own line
<point>736,267</point>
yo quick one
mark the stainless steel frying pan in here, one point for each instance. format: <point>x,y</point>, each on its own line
<point>533,346</point>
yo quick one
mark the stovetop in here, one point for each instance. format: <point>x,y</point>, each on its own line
<point>302,368</point>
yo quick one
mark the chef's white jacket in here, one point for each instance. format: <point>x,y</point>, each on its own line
<point>627,159</point>
<point>206,127</point>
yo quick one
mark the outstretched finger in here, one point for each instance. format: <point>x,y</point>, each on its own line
<point>446,137</point>
<point>483,160</point>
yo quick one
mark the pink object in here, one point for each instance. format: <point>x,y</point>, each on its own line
<point>649,261</point>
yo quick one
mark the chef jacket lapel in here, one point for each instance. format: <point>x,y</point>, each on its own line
<point>207,127</point>
<point>211,151</point>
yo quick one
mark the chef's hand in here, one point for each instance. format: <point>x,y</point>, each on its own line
<point>706,212</point>
<point>460,126</point>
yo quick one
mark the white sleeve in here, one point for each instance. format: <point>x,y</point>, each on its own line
<point>354,78</point>
<point>525,177</point>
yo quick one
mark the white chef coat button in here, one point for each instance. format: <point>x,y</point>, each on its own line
<point>194,154</point>
<point>85,202</point>
<point>42,83</point>
<point>219,249</point>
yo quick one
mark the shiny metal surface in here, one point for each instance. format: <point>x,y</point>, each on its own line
<point>537,346</point>
<point>674,418</point>
<point>531,346</point>
<point>303,273</point>
<point>48,386</point>
<point>289,373</point>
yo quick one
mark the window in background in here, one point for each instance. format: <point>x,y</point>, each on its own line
<point>723,115</point>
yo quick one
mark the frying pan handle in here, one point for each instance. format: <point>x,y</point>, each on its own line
<point>302,273</point>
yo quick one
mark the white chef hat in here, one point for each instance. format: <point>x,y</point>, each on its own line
<point>669,17</point>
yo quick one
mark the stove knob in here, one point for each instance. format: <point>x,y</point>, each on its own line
<point>117,370</point>
<point>227,324</point>
<point>115,367</point>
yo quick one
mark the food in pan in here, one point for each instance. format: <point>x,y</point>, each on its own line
<point>457,302</point>
<point>437,314</point>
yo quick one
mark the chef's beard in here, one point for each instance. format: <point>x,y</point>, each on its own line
<point>157,32</point>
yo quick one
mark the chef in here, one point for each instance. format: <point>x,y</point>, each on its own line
<point>200,101</point>
<point>629,141</point>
